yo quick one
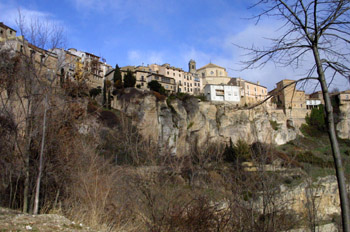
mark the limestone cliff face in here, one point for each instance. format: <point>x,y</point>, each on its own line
<point>179,125</point>
<point>343,126</point>
<point>321,195</point>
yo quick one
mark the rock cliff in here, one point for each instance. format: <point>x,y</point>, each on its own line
<point>177,125</point>
<point>343,125</point>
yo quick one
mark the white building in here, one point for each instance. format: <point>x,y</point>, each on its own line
<point>222,93</point>
<point>312,103</point>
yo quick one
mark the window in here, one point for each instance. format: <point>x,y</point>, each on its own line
<point>173,74</point>
<point>347,97</point>
<point>185,88</point>
<point>166,87</point>
<point>167,72</point>
<point>203,74</point>
<point>212,72</point>
<point>192,66</point>
<point>188,78</point>
<point>142,78</point>
<point>219,92</point>
<point>179,75</point>
<point>247,86</point>
<point>1,32</point>
<point>191,84</point>
<point>179,82</point>
<point>179,89</point>
<point>10,32</point>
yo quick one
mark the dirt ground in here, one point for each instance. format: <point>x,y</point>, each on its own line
<point>11,220</point>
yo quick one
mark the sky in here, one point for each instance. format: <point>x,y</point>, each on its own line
<point>136,32</point>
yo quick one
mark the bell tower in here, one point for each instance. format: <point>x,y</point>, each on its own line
<point>192,66</point>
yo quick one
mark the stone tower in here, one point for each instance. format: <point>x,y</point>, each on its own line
<point>192,66</point>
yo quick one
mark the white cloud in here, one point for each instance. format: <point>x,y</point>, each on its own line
<point>10,15</point>
<point>137,57</point>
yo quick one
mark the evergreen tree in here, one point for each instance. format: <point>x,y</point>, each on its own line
<point>316,119</point>
<point>156,86</point>
<point>129,79</point>
<point>117,78</point>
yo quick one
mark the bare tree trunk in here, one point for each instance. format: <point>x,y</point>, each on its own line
<point>28,138</point>
<point>38,180</point>
<point>344,203</point>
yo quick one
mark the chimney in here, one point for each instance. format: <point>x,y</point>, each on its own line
<point>258,82</point>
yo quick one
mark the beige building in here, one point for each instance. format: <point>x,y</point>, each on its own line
<point>45,62</point>
<point>186,82</point>
<point>171,78</point>
<point>143,75</point>
<point>343,97</point>
<point>288,97</point>
<point>213,74</point>
<point>317,95</point>
<point>251,93</point>
<point>90,68</point>
<point>6,32</point>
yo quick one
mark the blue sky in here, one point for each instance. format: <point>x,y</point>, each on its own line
<point>135,32</point>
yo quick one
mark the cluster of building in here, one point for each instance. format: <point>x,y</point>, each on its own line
<point>210,80</point>
<point>70,64</point>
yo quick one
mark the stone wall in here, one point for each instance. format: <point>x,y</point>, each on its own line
<point>343,125</point>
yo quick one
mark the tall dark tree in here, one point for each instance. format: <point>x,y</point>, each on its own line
<point>129,79</point>
<point>317,29</point>
<point>117,78</point>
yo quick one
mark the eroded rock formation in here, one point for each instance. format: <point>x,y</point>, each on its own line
<point>177,126</point>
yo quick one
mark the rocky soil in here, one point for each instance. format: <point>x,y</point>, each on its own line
<point>11,220</point>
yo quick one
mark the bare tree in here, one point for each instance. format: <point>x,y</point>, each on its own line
<point>317,29</point>
<point>34,79</point>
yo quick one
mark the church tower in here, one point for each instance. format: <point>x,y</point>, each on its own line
<point>192,66</point>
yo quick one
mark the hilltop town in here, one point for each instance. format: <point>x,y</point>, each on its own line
<point>211,80</point>
<point>209,153</point>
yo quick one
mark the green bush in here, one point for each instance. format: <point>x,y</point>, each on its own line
<point>201,97</point>
<point>309,157</point>
<point>242,150</point>
<point>156,86</point>
<point>316,119</point>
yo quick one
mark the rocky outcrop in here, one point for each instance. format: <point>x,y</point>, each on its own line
<point>343,125</point>
<point>321,195</point>
<point>177,126</point>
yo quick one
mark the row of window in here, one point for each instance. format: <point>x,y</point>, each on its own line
<point>255,89</point>
<point>189,78</point>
